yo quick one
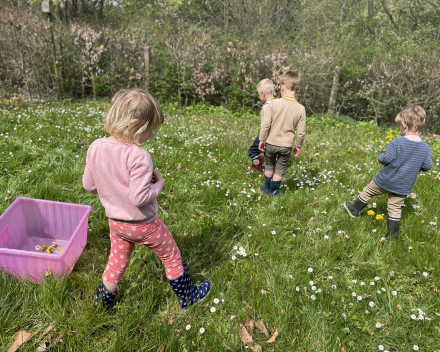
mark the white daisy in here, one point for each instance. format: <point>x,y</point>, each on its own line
<point>310,270</point>
<point>202,330</point>
<point>216,300</point>
<point>188,327</point>
<point>212,309</point>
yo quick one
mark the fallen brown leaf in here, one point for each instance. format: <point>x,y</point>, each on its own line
<point>22,337</point>
<point>162,348</point>
<point>249,324</point>
<point>247,340</point>
<point>171,321</point>
<point>222,295</point>
<point>312,219</point>
<point>259,198</point>
<point>342,348</point>
<point>344,316</point>
<point>407,296</point>
<point>316,154</point>
<point>49,328</point>
<point>399,307</point>
<point>273,338</point>
<point>260,326</point>
<point>179,167</point>
<point>52,342</point>
<point>316,203</point>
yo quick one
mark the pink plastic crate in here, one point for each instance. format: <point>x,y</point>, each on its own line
<point>30,222</point>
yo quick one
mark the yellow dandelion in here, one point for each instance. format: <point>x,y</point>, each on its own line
<point>212,123</point>
<point>174,108</point>
<point>348,126</point>
<point>89,135</point>
<point>379,217</point>
<point>371,212</point>
<point>61,250</point>
<point>56,243</point>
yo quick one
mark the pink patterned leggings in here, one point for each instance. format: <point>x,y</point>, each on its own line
<point>155,235</point>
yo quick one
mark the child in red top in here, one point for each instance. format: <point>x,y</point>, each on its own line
<point>121,173</point>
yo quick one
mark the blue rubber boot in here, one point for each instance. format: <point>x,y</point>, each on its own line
<point>266,187</point>
<point>187,292</point>
<point>275,188</point>
<point>107,298</point>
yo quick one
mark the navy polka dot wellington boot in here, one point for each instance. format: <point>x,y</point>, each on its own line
<point>107,298</point>
<point>187,292</point>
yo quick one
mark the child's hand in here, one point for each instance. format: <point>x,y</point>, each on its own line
<point>262,146</point>
<point>296,151</point>
<point>157,178</point>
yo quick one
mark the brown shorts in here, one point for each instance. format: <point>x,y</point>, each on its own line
<point>278,165</point>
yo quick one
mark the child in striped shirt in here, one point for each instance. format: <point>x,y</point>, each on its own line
<point>403,159</point>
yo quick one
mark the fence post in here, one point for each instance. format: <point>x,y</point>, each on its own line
<point>147,68</point>
<point>334,91</point>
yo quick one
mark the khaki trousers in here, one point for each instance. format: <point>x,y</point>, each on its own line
<point>395,201</point>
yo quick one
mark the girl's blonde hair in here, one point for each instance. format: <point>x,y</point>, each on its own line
<point>414,118</point>
<point>132,112</point>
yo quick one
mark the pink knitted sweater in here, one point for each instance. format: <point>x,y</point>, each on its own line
<point>120,173</point>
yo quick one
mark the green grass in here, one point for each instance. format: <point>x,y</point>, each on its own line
<point>209,206</point>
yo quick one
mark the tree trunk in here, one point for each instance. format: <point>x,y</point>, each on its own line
<point>370,16</point>
<point>334,91</point>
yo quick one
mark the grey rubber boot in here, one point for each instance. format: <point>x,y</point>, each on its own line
<point>354,209</point>
<point>393,228</point>
<point>275,188</point>
<point>266,187</point>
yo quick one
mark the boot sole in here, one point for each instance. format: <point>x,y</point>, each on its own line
<point>349,213</point>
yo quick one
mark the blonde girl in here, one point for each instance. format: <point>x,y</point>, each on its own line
<point>121,173</point>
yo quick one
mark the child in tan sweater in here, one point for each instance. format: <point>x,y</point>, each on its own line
<point>282,117</point>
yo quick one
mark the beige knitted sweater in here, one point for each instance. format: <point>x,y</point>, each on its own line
<point>281,118</point>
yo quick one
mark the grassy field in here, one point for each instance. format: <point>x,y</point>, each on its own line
<point>320,279</point>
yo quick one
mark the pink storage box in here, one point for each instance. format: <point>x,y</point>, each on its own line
<point>28,223</point>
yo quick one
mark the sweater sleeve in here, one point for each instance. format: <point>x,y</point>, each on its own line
<point>141,191</point>
<point>427,164</point>
<point>267,122</point>
<point>301,129</point>
<point>389,155</point>
<point>88,180</point>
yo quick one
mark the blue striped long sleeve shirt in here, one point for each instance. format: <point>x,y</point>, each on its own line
<point>403,160</point>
